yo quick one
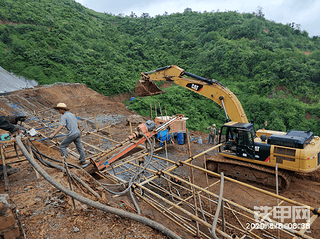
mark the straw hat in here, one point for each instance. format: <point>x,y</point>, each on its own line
<point>61,106</point>
<point>214,125</point>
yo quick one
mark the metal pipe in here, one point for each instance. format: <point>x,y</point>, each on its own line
<point>183,210</point>
<point>224,108</point>
<point>172,216</point>
<point>209,81</point>
<point>178,164</point>
<point>222,217</point>
<point>253,187</point>
<point>166,124</point>
<point>233,203</point>
<point>69,181</point>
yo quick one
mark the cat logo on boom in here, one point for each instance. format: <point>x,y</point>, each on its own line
<point>196,87</point>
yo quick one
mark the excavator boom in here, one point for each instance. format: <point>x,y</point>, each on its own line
<point>209,88</point>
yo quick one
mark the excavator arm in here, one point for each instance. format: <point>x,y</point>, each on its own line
<point>209,88</point>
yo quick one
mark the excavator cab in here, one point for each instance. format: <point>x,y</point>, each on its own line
<point>238,139</point>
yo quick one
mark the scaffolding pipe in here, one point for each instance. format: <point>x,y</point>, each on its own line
<point>314,210</point>
<point>233,203</point>
<point>178,164</point>
<point>183,210</point>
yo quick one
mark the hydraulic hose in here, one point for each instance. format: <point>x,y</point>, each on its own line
<point>71,174</point>
<point>53,159</point>
<point>91,203</point>
<point>215,220</point>
<point>45,162</point>
<point>38,154</point>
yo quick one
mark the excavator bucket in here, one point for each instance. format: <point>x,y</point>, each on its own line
<point>145,87</point>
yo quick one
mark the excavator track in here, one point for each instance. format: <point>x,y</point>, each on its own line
<point>312,176</point>
<point>248,172</point>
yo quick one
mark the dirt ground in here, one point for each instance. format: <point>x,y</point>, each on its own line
<point>46,212</point>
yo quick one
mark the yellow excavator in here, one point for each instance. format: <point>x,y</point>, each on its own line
<point>244,154</point>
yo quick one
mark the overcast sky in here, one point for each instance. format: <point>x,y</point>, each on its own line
<point>304,12</point>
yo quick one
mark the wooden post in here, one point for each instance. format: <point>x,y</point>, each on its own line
<point>165,109</point>
<point>277,191</point>
<point>110,136</point>
<point>69,180</point>
<point>3,162</point>
<point>205,167</point>
<point>151,110</point>
<point>165,144</point>
<point>95,119</point>
<point>192,181</point>
<point>85,148</point>
<point>195,200</point>
<point>160,108</point>
<point>188,140</point>
<point>223,220</point>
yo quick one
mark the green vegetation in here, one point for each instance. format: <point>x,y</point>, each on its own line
<point>264,63</point>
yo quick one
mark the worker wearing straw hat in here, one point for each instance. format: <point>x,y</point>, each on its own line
<point>69,121</point>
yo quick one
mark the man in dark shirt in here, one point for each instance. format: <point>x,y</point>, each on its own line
<point>7,123</point>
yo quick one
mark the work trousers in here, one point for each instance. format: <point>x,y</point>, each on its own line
<point>76,138</point>
<point>211,136</point>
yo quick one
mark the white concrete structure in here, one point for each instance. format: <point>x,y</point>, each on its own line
<point>10,82</point>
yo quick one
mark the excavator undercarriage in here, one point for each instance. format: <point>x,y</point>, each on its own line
<point>248,172</point>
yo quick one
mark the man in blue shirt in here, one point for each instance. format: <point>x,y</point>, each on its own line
<point>69,121</point>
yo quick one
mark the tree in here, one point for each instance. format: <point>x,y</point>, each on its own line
<point>259,12</point>
<point>145,16</point>
<point>133,15</point>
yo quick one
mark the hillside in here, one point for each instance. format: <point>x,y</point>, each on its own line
<point>273,69</point>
